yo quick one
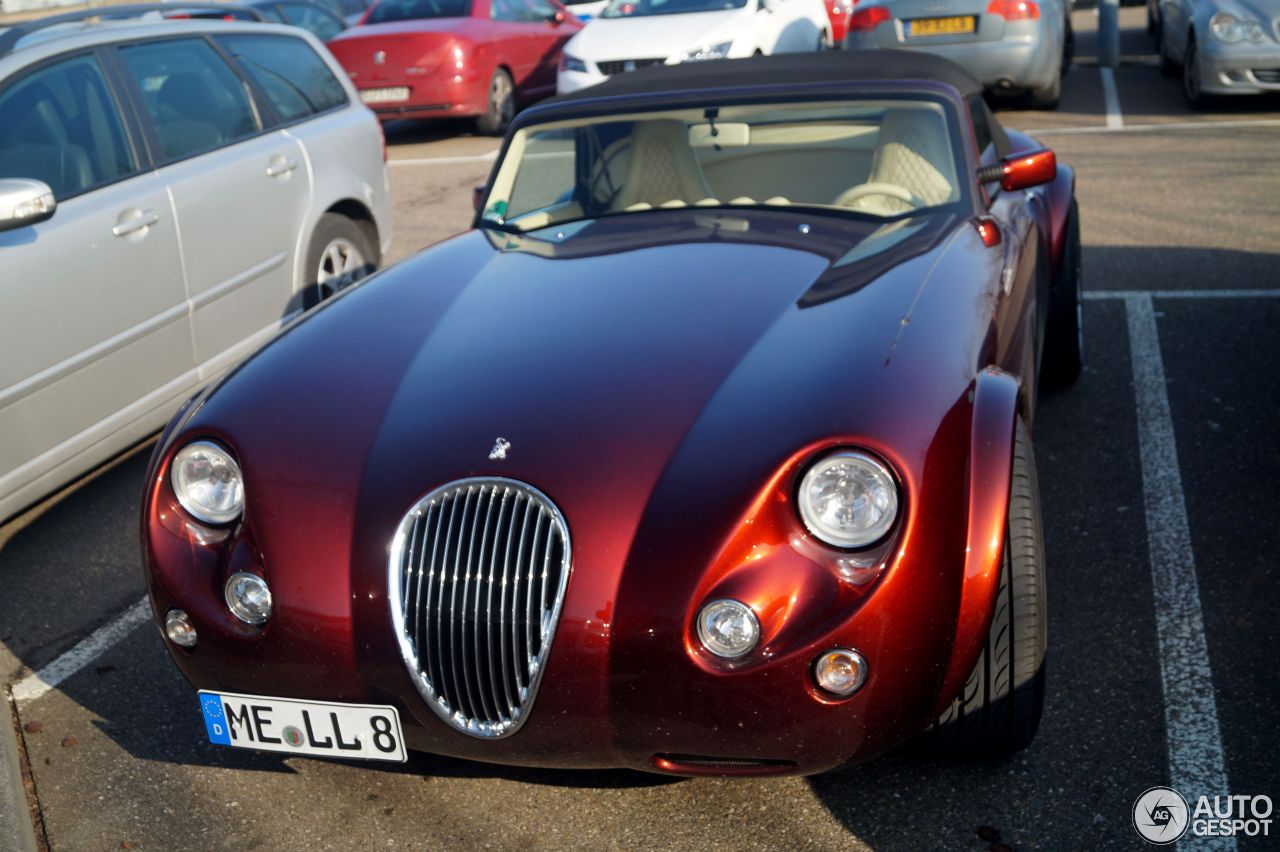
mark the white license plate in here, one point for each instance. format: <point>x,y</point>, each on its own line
<point>323,728</point>
<point>385,96</point>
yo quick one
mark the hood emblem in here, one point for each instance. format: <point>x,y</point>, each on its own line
<point>499,450</point>
<point>380,58</point>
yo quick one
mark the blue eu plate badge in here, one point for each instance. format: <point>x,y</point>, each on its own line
<point>215,721</point>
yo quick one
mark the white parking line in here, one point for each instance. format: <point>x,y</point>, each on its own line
<point>1154,128</point>
<point>85,652</point>
<point>445,161</point>
<point>1111,98</point>
<point>1100,295</point>
<point>1196,763</point>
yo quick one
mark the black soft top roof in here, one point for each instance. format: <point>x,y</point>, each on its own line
<point>828,66</point>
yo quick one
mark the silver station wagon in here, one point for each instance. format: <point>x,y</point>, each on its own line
<point>171,194</point>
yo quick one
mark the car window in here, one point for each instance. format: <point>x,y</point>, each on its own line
<point>321,23</point>
<point>196,101</point>
<point>512,10</point>
<point>60,125</point>
<point>408,10</point>
<point>543,10</point>
<point>295,80</point>
<point>868,158</point>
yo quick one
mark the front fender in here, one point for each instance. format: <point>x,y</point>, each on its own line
<point>995,411</point>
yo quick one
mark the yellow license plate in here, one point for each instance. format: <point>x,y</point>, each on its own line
<point>940,26</point>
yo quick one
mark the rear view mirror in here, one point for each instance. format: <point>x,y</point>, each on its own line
<point>24,202</point>
<point>1022,171</point>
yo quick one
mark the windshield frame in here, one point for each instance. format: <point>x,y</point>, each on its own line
<point>955,113</point>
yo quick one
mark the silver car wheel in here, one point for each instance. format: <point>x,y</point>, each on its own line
<point>500,94</point>
<point>341,265</point>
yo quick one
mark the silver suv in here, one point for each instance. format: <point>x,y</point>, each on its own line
<point>171,194</point>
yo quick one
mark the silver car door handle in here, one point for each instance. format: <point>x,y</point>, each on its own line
<point>281,166</point>
<point>142,219</point>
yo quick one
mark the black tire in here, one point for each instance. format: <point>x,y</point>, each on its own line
<point>337,238</point>
<point>1063,355</point>
<point>1191,83</point>
<point>998,711</point>
<point>502,105</point>
<point>1168,67</point>
<point>1068,47</point>
<point>1047,97</point>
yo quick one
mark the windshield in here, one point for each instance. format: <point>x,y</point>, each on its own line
<point>642,8</point>
<point>407,10</point>
<point>884,159</point>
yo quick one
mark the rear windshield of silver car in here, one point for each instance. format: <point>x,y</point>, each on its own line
<point>411,10</point>
<point>876,158</point>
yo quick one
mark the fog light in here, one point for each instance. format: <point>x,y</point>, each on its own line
<point>249,598</point>
<point>840,671</point>
<point>179,629</point>
<point>728,628</point>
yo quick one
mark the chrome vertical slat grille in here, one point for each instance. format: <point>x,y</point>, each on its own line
<point>478,573</point>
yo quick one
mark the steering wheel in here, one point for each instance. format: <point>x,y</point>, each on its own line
<point>891,190</point>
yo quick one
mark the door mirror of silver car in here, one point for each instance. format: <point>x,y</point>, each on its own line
<point>1022,170</point>
<point>24,202</point>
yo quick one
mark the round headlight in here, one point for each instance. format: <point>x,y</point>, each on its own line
<point>840,671</point>
<point>248,597</point>
<point>848,500</point>
<point>207,481</point>
<point>1227,28</point>
<point>728,628</point>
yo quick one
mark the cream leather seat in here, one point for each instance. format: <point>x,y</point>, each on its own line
<point>661,169</point>
<point>911,167</point>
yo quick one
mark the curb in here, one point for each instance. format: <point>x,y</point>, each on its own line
<point>15,819</point>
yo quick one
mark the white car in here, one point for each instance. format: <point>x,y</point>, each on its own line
<point>631,34</point>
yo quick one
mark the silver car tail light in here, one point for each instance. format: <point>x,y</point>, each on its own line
<point>477,577</point>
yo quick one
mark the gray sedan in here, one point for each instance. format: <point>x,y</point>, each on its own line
<point>1010,45</point>
<point>1219,47</point>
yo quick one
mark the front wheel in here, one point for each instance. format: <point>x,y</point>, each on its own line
<point>1191,79</point>
<point>998,711</point>
<point>501,105</point>
<point>340,254</point>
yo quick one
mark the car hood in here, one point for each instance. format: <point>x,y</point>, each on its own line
<point>653,36</point>
<point>677,353</point>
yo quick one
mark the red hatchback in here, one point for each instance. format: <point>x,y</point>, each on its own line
<point>437,58</point>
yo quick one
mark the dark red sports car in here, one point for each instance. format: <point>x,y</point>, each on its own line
<point>439,58</point>
<point>706,451</point>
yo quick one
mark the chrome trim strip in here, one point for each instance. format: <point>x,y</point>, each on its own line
<point>489,645</point>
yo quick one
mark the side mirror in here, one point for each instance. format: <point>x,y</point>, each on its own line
<point>24,202</point>
<point>477,196</point>
<point>769,5</point>
<point>1022,171</point>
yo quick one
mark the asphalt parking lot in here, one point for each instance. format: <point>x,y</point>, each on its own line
<point>1158,474</point>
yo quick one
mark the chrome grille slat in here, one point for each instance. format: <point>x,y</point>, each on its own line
<point>475,636</point>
